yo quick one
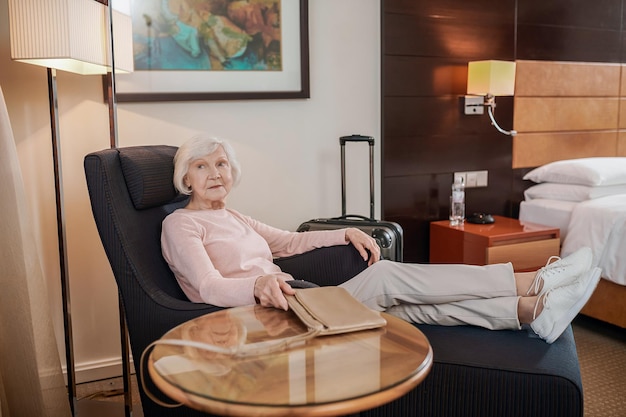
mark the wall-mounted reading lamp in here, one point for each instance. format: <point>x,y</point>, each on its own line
<point>485,81</point>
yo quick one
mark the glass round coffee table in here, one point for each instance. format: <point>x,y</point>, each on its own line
<point>323,376</point>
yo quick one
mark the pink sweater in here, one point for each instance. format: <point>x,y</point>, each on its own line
<point>217,255</point>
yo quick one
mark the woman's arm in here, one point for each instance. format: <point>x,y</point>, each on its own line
<point>283,243</point>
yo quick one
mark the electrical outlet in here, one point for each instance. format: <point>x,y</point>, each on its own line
<point>473,179</point>
<point>482,178</point>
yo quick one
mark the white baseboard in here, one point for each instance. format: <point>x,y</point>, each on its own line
<point>97,370</point>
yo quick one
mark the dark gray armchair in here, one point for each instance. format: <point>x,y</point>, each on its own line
<point>476,372</point>
<point>131,192</point>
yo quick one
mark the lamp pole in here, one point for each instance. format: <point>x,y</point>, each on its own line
<point>113,142</point>
<point>62,238</point>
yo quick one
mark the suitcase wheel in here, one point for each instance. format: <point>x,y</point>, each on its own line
<point>383,238</point>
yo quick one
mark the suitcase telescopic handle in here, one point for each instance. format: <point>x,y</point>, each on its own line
<point>356,138</point>
<point>342,143</point>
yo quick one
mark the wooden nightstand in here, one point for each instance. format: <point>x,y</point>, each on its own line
<point>527,246</point>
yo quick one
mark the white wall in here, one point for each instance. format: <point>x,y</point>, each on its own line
<point>289,151</point>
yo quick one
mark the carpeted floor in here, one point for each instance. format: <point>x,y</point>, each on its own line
<point>602,356</point>
<point>601,352</point>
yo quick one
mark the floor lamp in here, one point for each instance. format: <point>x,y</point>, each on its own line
<point>120,49</point>
<point>75,36</point>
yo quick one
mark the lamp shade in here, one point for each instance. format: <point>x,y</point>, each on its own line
<point>122,41</point>
<point>496,78</point>
<point>69,35</point>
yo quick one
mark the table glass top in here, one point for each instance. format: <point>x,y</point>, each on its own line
<point>321,370</point>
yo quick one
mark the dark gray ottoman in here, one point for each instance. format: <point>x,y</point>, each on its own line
<point>483,373</point>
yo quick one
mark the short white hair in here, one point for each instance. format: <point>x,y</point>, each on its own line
<point>197,147</point>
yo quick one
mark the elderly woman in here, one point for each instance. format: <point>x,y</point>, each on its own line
<point>222,257</point>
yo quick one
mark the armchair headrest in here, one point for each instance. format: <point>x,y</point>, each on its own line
<point>148,172</point>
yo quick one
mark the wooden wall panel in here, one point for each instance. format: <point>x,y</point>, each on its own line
<point>424,76</point>
<point>598,14</point>
<point>568,44</point>
<point>413,116</point>
<point>621,144</point>
<point>566,110</point>
<point>425,153</point>
<point>426,136</point>
<point>481,12</point>
<point>555,114</point>
<point>569,30</point>
<point>534,149</point>
<point>621,124</point>
<point>556,79</point>
<point>449,28</point>
<point>445,36</point>
<point>622,91</point>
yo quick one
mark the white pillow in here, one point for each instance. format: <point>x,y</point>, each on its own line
<point>571,192</point>
<point>583,171</point>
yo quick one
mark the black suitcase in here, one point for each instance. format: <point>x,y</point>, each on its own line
<point>388,235</point>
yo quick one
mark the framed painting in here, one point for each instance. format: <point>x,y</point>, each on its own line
<point>187,50</point>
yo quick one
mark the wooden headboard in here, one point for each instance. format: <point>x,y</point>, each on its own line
<point>566,110</point>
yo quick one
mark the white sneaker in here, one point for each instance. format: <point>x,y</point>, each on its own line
<point>562,272</point>
<point>562,304</point>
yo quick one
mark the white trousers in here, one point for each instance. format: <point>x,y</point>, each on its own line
<point>447,295</point>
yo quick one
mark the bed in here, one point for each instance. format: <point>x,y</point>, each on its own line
<point>586,199</point>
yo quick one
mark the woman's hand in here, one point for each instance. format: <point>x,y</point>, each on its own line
<point>269,290</point>
<point>364,243</point>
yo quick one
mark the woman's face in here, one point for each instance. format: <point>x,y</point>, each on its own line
<point>210,178</point>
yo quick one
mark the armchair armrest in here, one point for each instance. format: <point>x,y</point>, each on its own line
<point>324,266</point>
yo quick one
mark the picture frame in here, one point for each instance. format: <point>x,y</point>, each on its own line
<point>290,82</point>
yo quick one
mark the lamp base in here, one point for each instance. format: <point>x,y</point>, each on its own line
<point>474,105</point>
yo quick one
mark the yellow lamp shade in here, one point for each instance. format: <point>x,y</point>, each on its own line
<point>496,78</point>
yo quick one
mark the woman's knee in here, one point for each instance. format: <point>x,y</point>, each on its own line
<point>382,265</point>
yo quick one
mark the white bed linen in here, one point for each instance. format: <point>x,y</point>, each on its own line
<point>601,225</point>
<point>555,213</point>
